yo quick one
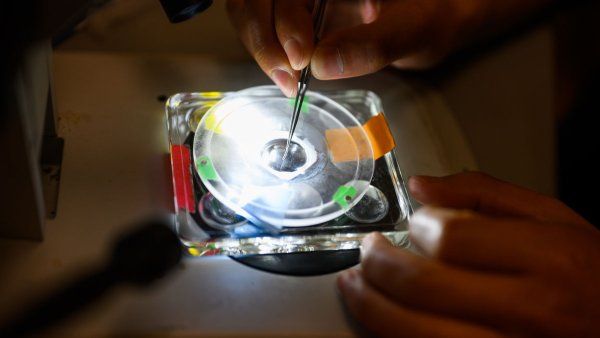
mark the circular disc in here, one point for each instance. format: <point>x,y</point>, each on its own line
<point>240,155</point>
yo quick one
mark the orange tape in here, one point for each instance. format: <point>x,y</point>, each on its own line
<point>378,134</point>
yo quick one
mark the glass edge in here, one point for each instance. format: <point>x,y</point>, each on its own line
<point>224,246</point>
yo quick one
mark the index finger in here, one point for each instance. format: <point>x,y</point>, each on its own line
<point>293,24</point>
<point>472,240</point>
<point>483,193</point>
<point>254,23</point>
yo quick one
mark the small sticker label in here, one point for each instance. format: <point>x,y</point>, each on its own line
<point>206,169</point>
<point>194,251</point>
<point>378,138</point>
<point>344,195</point>
<point>303,108</point>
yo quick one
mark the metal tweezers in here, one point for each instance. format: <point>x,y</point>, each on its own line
<point>318,15</point>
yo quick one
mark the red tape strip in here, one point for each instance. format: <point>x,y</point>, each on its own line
<point>182,178</point>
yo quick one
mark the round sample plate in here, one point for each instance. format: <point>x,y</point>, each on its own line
<point>239,147</point>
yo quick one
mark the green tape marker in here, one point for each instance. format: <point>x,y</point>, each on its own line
<point>304,107</point>
<point>206,168</point>
<point>344,195</point>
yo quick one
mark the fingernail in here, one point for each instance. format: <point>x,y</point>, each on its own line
<point>370,10</point>
<point>294,52</point>
<point>414,182</point>
<point>347,280</point>
<point>284,81</point>
<point>328,63</point>
<point>370,241</point>
<point>426,225</point>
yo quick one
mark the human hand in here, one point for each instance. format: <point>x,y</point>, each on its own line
<point>496,260</point>
<point>360,37</point>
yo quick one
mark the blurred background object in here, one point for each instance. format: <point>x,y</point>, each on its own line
<point>139,257</point>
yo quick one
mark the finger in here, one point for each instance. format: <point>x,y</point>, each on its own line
<point>471,240</point>
<point>399,30</point>
<point>254,23</point>
<point>426,285</point>
<point>387,319</point>
<point>369,10</point>
<point>293,24</point>
<point>483,193</point>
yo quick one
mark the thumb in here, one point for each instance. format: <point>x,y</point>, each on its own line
<point>401,30</point>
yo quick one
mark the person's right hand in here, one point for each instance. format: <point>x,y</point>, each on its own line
<point>360,37</point>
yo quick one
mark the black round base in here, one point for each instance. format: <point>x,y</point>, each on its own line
<point>303,263</point>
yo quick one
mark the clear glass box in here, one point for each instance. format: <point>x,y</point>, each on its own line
<point>234,236</point>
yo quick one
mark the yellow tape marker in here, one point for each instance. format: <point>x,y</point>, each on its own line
<point>211,95</point>
<point>213,123</point>
<point>378,134</point>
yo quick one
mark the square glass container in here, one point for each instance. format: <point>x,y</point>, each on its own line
<point>208,228</point>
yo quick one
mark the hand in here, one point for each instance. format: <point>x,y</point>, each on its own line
<point>496,260</point>
<point>360,37</point>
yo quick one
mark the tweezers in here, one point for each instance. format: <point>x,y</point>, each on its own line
<point>305,76</point>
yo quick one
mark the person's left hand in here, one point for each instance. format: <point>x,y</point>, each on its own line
<point>496,260</point>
